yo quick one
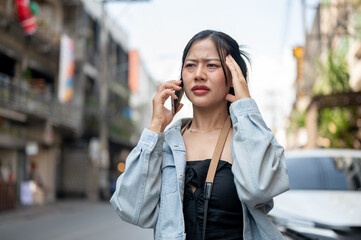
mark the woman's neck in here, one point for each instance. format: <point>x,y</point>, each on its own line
<point>206,119</point>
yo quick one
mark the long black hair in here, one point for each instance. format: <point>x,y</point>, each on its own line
<point>225,45</point>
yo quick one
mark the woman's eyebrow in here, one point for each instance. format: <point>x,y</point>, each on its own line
<point>205,60</point>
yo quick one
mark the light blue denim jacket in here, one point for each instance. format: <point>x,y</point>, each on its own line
<point>150,191</point>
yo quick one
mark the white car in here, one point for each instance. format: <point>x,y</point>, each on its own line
<point>325,197</point>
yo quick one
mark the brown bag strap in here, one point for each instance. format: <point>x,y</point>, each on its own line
<point>218,151</point>
<point>212,169</point>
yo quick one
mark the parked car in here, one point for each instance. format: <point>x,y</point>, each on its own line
<point>324,200</point>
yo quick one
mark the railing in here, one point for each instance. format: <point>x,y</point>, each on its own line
<point>23,99</point>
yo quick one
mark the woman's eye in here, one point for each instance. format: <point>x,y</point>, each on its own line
<point>212,65</point>
<point>189,65</point>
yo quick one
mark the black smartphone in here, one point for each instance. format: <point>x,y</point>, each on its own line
<point>176,102</point>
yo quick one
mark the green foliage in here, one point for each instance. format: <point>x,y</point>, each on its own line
<point>356,22</point>
<point>336,124</point>
<point>333,75</point>
<point>326,3</point>
<point>27,74</point>
<point>297,119</point>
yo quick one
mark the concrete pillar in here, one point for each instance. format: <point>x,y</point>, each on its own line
<point>311,125</point>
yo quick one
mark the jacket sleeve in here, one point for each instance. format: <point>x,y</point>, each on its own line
<point>258,160</point>
<point>137,191</point>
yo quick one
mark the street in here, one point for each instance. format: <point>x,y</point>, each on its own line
<point>68,220</point>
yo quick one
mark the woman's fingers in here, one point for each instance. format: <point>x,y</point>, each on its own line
<point>236,68</point>
<point>239,82</point>
<point>231,68</point>
<point>167,89</point>
<point>230,98</point>
<point>173,84</point>
<point>161,115</point>
<point>165,94</point>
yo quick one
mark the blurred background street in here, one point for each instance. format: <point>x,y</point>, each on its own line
<point>69,220</point>
<point>77,78</point>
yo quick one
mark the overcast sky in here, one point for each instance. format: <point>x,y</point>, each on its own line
<point>269,29</point>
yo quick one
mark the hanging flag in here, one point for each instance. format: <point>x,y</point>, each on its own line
<point>66,69</point>
<point>25,16</point>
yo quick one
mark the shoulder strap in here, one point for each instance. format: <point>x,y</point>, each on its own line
<point>212,169</point>
<point>218,151</point>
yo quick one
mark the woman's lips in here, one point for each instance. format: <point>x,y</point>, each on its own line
<point>200,89</point>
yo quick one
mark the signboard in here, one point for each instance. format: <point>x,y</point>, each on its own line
<point>133,75</point>
<point>66,69</point>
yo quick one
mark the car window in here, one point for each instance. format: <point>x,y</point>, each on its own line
<point>354,173</point>
<point>317,173</point>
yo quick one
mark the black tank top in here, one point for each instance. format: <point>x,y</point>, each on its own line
<point>225,218</point>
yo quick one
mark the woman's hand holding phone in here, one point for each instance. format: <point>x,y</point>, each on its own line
<point>161,115</point>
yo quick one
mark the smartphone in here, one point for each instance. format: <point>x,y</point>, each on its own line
<point>176,102</point>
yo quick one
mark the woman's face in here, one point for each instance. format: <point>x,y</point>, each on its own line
<point>203,76</point>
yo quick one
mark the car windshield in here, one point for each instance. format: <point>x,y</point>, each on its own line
<point>324,173</point>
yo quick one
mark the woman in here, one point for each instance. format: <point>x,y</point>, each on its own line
<point>162,186</point>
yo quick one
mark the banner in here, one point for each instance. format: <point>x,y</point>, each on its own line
<point>66,69</point>
<point>133,74</point>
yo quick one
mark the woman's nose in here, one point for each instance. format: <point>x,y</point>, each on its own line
<point>200,73</point>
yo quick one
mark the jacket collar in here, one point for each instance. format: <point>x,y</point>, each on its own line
<point>173,136</point>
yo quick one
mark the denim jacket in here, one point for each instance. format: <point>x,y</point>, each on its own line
<point>150,191</point>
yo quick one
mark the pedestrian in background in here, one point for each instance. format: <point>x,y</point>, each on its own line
<point>37,185</point>
<point>163,186</point>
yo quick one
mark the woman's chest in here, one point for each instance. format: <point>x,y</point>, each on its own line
<point>202,146</point>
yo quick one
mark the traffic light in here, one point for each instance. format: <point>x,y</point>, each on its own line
<point>298,52</point>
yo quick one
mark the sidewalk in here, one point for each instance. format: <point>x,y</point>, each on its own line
<point>34,211</point>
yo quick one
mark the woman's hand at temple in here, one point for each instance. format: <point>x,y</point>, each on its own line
<point>238,81</point>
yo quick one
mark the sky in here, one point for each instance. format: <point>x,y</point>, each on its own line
<point>269,30</point>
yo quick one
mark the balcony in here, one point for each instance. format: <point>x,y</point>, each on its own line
<point>20,98</point>
<point>121,129</point>
<point>46,38</point>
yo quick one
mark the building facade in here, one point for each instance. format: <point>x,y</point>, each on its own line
<point>65,113</point>
<point>32,120</point>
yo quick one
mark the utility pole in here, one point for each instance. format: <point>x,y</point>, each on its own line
<point>304,18</point>
<point>103,125</point>
<point>101,171</point>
